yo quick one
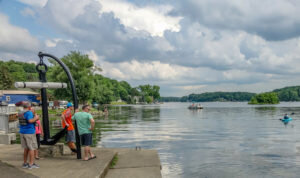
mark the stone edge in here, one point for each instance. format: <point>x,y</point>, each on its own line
<point>107,167</point>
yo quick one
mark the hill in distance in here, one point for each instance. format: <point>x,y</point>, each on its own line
<point>291,93</point>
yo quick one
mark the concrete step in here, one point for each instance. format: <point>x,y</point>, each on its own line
<point>136,164</point>
<point>60,167</point>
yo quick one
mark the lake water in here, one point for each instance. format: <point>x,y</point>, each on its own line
<point>225,139</point>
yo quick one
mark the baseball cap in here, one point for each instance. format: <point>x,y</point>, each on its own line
<point>69,104</point>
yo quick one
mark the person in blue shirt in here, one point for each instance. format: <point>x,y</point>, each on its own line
<point>27,135</point>
<point>286,116</point>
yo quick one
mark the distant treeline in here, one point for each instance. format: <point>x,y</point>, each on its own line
<point>284,94</point>
<point>288,93</point>
<point>211,96</point>
<point>90,85</point>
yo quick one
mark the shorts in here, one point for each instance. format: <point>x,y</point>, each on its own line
<point>86,139</point>
<point>70,136</point>
<point>28,141</point>
<point>38,140</point>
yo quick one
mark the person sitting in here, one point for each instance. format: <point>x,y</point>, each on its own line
<point>286,116</point>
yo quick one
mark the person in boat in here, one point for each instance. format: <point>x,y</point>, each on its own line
<point>286,116</point>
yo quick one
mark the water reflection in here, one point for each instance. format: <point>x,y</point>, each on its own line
<point>222,140</point>
<point>121,119</point>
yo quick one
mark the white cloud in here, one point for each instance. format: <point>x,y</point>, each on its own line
<point>151,19</point>
<point>15,39</point>
<point>53,42</point>
<point>191,87</point>
<point>135,70</point>
<point>36,3</point>
<point>271,19</point>
<point>184,44</point>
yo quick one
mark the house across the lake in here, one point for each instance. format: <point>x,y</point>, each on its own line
<point>14,96</point>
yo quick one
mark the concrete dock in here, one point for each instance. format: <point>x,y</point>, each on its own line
<point>128,163</point>
<point>136,163</point>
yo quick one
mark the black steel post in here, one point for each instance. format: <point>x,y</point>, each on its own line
<point>42,76</point>
<point>74,95</point>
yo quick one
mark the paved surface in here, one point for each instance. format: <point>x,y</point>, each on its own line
<point>8,171</point>
<point>131,164</point>
<point>136,164</point>
<point>65,166</point>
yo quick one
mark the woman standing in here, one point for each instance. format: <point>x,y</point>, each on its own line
<point>38,133</point>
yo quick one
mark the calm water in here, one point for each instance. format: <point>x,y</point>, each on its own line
<point>222,140</point>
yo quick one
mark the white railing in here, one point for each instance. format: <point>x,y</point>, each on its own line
<point>7,109</point>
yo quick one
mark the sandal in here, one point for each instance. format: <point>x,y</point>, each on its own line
<point>93,157</point>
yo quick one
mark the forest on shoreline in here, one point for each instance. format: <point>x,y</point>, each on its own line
<point>90,85</point>
<point>291,93</point>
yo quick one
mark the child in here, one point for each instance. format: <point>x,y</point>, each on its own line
<point>38,133</point>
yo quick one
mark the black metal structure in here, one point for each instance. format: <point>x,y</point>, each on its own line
<point>42,69</point>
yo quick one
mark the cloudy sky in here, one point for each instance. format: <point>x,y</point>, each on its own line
<point>189,46</point>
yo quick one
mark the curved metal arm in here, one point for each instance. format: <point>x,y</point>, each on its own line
<point>75,101</point>
<point>66,69</point>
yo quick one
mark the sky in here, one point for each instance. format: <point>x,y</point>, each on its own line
<point>190,46</point>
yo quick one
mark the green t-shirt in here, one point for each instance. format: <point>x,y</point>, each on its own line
<point>83,122</point>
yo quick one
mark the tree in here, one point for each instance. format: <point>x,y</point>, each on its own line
<point>6,80</point>
<point>265,98</point>
<point>81,69</point>
<point>148,91</point>
<point>155,92</point>
<point>90,85</point>
<point>103,94</point>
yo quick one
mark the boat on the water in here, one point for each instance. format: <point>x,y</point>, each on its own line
<point>195,106</point>
<point>286,120</point>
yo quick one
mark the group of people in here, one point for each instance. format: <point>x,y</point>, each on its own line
<point>31,130</point>
<point>85,124</point>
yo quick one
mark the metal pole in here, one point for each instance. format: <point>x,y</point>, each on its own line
<point>75,101</point>
<point>42,76</point>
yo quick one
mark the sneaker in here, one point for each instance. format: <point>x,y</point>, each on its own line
<point>25,165</point>
<point>33,166</point>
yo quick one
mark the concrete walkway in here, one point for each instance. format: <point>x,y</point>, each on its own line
<point>62,167</point>
<point>136,164</point>
<point>9,171</point>
<point>130,164</point>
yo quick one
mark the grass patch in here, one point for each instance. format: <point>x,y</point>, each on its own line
<point>114,161</point>
<point>118,103</point>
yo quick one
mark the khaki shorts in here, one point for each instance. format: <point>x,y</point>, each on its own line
<point>28,141</point>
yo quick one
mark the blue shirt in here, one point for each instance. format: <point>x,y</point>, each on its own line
<point>30,127</point>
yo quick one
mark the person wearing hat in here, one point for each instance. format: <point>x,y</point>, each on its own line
<point>27,121</point>
<point>66,118</point>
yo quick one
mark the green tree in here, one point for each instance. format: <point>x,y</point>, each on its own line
<point>103,94</point>
<point>265,98</point>
<point>81,69</point>
<point>6,80</point>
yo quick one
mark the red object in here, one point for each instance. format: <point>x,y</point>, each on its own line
<point>20,103</point>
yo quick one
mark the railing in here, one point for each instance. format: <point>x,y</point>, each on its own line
<point>7,109</point>
<point>7,114</point>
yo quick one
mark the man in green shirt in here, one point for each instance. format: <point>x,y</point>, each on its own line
<point>85,125</point>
